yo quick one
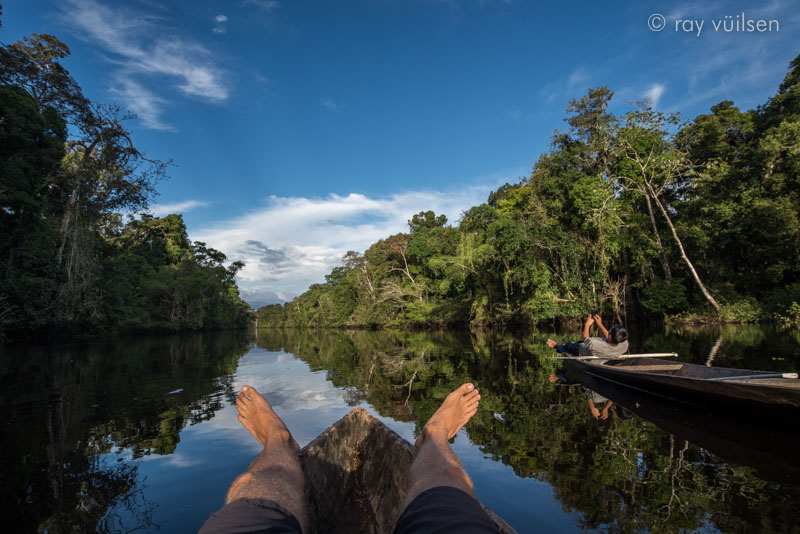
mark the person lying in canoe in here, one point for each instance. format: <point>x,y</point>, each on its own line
<point>599,406</point>
<point>269,497</point>
<point>613,344</point>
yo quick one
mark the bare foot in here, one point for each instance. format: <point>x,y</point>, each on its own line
<point>257,416</point>
<point>552,344</point>
<point>458,408</point>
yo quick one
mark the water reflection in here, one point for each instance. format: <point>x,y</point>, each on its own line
<point>142,433</point>
<point>72,404</point>
<point>625,474</point>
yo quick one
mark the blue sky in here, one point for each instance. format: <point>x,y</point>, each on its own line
<point>302,129</point>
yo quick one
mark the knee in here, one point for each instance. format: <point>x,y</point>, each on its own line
<point>446,476</point>
<point>238,486</point>
<point>243,480</point>
<point>460,478</point>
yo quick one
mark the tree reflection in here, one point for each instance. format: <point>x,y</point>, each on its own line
<point>73,405</point>
<point>623,474</point>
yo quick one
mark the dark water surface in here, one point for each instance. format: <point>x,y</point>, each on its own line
<point>141,433</point>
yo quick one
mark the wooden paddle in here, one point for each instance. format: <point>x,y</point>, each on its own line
<point>754,377</point>
<point>623,357</point>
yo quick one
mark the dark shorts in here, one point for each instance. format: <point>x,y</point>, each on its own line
<point>252,516</point>
<point>437,510</point>
<point>444,509</point>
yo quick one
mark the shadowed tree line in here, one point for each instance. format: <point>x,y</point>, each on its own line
<point>642,214</point>
<point>75,404</point>
<point>623,475</point>
<point>68,170</point>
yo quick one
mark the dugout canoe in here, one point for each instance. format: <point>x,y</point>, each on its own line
<point>761,394</point>
<point>769,448</point>
<point>357,475</point>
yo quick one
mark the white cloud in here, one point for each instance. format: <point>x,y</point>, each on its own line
<point>292,242</point>
<point>567,88</point>
<point>577,78</point>
<point>655,92</point>
<point>331,105</point>
<point>696,9</point>
<point>219,27</point>
<point>258,296</point>
<point>159,210</point>
<point>265,5</point>
<point>147,105</point>
<point>129,37</point>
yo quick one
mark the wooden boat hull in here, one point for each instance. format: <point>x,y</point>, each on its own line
<point>698,385</point>
<point>769,448</point>
<point>363,467</point>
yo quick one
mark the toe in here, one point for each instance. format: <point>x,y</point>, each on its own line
<point>251,392</point>
<point>472,395</point>
<point>466,388</point>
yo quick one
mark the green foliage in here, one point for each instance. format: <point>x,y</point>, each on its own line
<point>660,297</point>
<point>745,310</point>
<point>643,214</point>
<point>66,259</point>
<point>792,315</point>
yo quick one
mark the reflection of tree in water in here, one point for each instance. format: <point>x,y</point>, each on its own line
<point>621,475</point>
<point>76,403</point>
<point>98,497</point>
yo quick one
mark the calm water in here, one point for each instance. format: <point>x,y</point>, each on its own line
<point>141,433</point>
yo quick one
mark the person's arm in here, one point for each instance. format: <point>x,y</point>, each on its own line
<point>599,322</point>
<point>589,323</point>
<point>606,409</point>
<point>593,408</point>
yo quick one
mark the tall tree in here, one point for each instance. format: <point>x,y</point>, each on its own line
<point>34,65</point>
<point>103,171</point>
<point>650,163</point>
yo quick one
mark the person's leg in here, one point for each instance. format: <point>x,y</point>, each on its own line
<point>570,347</point>
<point>275,475</point>
<point>440,493</point>
<point>436,464</point>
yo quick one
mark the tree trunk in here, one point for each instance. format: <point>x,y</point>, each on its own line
<point>661,253</point>
<point>683,254</point>
<point>73,199</point>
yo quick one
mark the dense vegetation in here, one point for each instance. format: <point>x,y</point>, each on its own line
<point>642,214</point>
<point>68,169</point>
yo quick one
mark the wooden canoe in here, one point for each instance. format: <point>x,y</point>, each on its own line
<point>357,475</point>
<point>757,393</point>
<point>769,448</point>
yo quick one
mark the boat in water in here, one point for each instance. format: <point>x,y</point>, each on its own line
<point>769,448</point>
<point>759,394</point>
<point>363,466</point>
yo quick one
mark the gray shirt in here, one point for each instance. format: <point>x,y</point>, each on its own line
<point>598,346</point>
<point>594,396</point>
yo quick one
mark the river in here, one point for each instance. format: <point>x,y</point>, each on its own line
<point>140,433</point>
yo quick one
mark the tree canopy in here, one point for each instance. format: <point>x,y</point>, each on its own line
<point>643,214</point>
<point>68,170</point>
